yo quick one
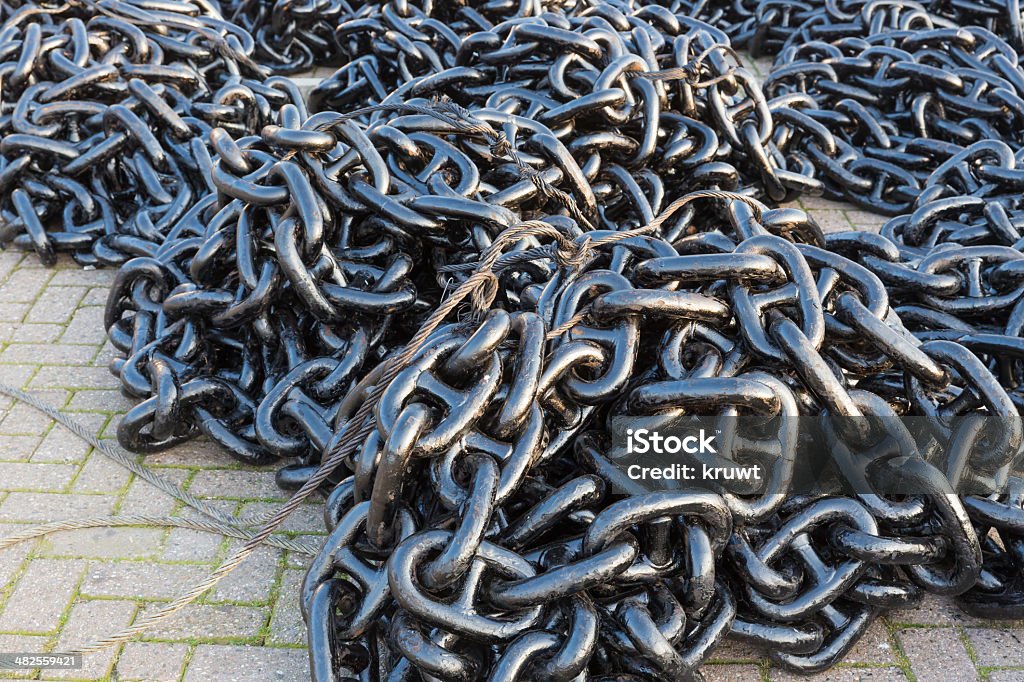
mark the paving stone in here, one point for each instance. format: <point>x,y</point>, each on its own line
<point>46,507</point>
<point>41,595</point>
<point>286,625</point>
<point>997,647</point>
<point>731,673</point>
<point>12,558</point>
<point>36,333</point>
<point>102,400</point>
<point>13,312</point>
<point>36,476</point>
<point>297,560</point>
<point>18,447</point>
<point>55,304</point>
<point>236,484</point>
<point>253,581</point>
<point>88,623</point>
<point>96,296</point>
<point>873,647</point>
<point>101,475</point>
<point>731,650</point>
<point>151,662</point>
<point>107,355</point>
<point>842,674</point>
<point>307,518</point>
<point>146,580</point>
<point>143,498</point>
<point>209,622</point>
<point>105,543</point>
<point>198,452</point>
<point>82,377</point>
<point>24,285</point>
<point>22,420</point>
<point>79,276</point>
<point>184,544</point>
<point>933,610</point>
<point>864,221</point>
<point>17,375</point>
<point>920,645</point>
<point>34,644</point>
<point>1006,676</point>
<point>226,663</point>
<point>49,353</point>
<point>86,326</point>
<point>61,445</point>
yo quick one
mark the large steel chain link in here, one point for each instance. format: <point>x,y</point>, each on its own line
<point>274,260</point>
<point>105,121</point>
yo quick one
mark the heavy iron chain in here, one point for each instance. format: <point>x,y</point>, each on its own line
<point>105,122</point>
<point>473,530</point>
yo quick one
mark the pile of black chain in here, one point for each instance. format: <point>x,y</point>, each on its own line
<point>478,537</point>
<point>325,240</point>
<point>106,112</point>
<point>602,171</point>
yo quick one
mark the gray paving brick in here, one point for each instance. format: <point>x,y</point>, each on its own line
<point>41,595</point>
<point>35,644</point>
<point>731,673</point>
<point>49,353</point>
<point>17,375</point>
<point>108,353</point>
<point>61,445</point>
<point>18,448</point>
<point>105,543</point>
<point>920,645</point>
<point>101,475</point>
<point>82,377</point>
<point>933,610</point>
<point>22,420</point>
<point>307,518</point>
<point>198,452</point>
<point>151,662</point>
<point>184,544</point>
<point>102,400</point>
<point>143,498</point>
<point>55,304</point>
<point>12,558</point>
<point>88,623</point>
<point>78,276</point>
<point>236,484</point>
<point>1006,676</point>
<point>997,647</point>
<point>24,285</point>
<point>86,326</point>
<point>286,625</point>
<point>145,580</point>
<point>253,581</point>
<point>97,296</point>
<point>732,651</point>
<point>842,674</point>
<point>209,622</point>
<point>13,312</point>
<point>36,333</point>
<point>246,664</point>
<point>45,507</point>
<point>36,476</point>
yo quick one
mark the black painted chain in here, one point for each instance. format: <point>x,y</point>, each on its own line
<point>105,122</point>
<point>282,263</point>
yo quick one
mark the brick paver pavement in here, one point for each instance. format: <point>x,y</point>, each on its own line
<point>74,588</point>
